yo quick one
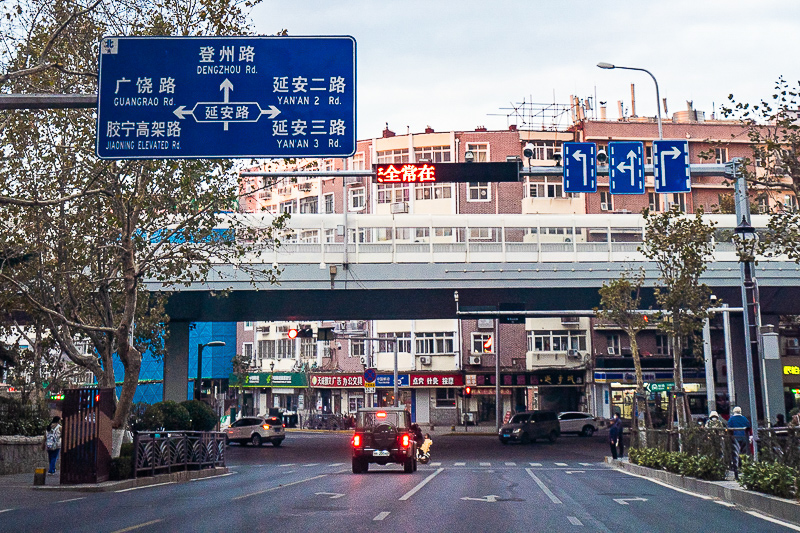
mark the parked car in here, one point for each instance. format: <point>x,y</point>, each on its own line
<point>584,424</point>
<point>527,426</point>
<point>383,435</point>
<point>256,430</point>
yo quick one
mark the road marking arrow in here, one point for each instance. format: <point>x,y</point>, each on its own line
<point>333,495</point>
<point>491,498</point>
<point>624,501</point>
<point>272,111</point>
<point>227,87</point>
<point>181,112</point>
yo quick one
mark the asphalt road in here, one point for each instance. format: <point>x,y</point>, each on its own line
<point>473,483</point>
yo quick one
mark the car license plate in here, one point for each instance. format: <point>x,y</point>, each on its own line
<point>380,453</point>
<point>506,434</point>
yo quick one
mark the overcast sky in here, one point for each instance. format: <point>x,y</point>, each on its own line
<point>453,65</point>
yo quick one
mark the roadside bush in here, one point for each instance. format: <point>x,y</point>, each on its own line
<point>674,462</point>
<point>769,478</point>
<point>202,415</point>
<point>176,417</point>
<point>122,466</point>
<point>649,457</point>
<point>152,419</point>
<point>702,467</point>
<point>18,418</point>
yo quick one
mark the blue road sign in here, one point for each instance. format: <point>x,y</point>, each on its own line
<point>671,166</point>
<point>626,167</point>
<point>221,97</point>
<point>580,167</point>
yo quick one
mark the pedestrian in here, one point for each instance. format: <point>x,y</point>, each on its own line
<point>615,437</point>
<point>780,421</point>
<point>52,442</point>
<point>795,423</point>
<point>714,421</point>
<point>739,425</point>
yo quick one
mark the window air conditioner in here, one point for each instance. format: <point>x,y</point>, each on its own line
<point>425,360</point>
<point>573,353</point>
<point>474,359</point>
<point>399,207</point>
<point>604,206</point>
<point>610,350</point>
<point>364,360</point>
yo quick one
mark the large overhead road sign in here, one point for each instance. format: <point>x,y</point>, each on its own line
<point>671,166</point>
<point>580,167</point>
<point>226,97</point>
<point>626,167</point>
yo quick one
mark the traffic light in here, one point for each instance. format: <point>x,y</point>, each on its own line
<point>488,344</point>
<point>292,333</point>
<point>302,332</point>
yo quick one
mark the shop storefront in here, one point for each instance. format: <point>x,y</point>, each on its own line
<point>791,383</point>
<point>267,391</point>
<point>338,393</point>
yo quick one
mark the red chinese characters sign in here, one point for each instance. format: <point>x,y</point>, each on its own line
<point>436,380</point>
<point>337,380</point>
<point>406,173</point>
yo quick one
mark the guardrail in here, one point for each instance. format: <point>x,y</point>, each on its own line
<point>164,452</point>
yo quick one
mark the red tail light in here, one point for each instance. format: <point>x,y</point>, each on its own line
<point>405,440</point>
<point>356,441</point>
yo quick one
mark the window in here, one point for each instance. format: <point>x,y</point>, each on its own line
<point>720,155</point>
<point>445,397</point>
<point>247,351</point>
<point>263,351</point>
<point>478,192</point>
<point>443,232</point>
<point>248,326</point>
<point>612,344</point>
<point>328,199</point>
<point>433,192</point>
<point>403,342</point>
<point>678,199</point>
<point>393,156</point>
<point>544,150</point>
<point>480,151</point>
<point>357,199</point>
<point>288,207</point>
<point>605,201</point>
<point>435,343</point>
<point>480,234</point>
<point>308,348</point>
<point>654,201</point>
<point>662,345</point>
<point>648,154</point>
<point>358,348</point>
<point>556,340</point>
<point>482,342</point>
<point>276,349</point>
<point>359,161</point>
<point>308,205</point>
<point>393,192</point>
<point>547,187</point>
<point>434,154</point>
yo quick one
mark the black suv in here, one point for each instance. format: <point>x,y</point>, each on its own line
<point>383,435</point>
<point>527,426</point>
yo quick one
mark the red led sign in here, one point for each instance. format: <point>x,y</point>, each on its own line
<point>446,172</point>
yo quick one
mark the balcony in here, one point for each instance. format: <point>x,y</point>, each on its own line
<point>539,360</point>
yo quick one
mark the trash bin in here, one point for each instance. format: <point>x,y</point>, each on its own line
<point>39,476</point>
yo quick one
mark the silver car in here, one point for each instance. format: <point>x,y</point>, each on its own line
<point>584,424</point>
<point>256,430</point>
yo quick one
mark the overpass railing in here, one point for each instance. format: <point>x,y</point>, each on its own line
<point>518,238</point>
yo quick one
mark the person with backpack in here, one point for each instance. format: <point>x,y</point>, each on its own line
<point>52,442</point>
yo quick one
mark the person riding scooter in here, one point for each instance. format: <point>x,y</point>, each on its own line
<point>424,450</point>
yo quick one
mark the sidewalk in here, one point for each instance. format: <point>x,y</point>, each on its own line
<point>728,490</point>
<point>25,481</point>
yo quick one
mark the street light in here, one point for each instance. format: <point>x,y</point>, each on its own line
<point>200,347</point>
<point>658,97</point>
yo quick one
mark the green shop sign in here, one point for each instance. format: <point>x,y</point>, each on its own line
<point>287,380</point>
<point>660,387</point>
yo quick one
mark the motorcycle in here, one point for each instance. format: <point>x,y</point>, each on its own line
<point>424,450</point>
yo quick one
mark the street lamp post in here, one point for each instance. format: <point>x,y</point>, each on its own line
<point>199,379</point>
<point>658,97</point>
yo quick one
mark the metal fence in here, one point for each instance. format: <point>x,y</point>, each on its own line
<point>163,452</point>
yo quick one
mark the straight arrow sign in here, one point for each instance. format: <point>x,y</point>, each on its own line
<point>491,498</point>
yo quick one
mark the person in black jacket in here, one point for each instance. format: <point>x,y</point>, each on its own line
<point>615,437</point>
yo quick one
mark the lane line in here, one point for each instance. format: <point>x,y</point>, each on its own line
<point>284,485</point>
<point>421,484</point>
<point>536,464</point>
<point>214,477</point>
<point>72,500</point>
<point>586,464</point>
<point>773,520</point>
<point>287,464</point>
<point>436,464</point>
<point>486,464</point>
<point>574,521</point>
<point>510,463</point>
<point>459,464</point>
<point>380,516</point>
<point>312,464</point>
<point>336,464</point>
<point>6,510</point>
<point>561,464</point>
<point>667,485</point>
<point>145,524</point>
<point>542,486</point>
<point>726,504</point>
<point>146,486</point>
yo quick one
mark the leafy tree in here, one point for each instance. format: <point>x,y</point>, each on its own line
<point>176,417</point>
<point>203,416</point>
<point>620,301</point>
<point>681,247</point>
<point>80,234</point>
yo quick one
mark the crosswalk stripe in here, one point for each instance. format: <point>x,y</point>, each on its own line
<point>459,464</point>
<point>486,464</point>
<point>511,464</point>
<point>536,464</point>
<point>336,464</point>
<point>312,464</point>
<point>561,464</point>
<point>288,464</point>
<point>586,464</point>
<point>436,464</point>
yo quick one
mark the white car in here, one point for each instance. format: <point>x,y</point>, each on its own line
<point>584,424</point>
<point>256,430</point>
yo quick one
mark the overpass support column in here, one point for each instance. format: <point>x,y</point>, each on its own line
<point>176,362</point>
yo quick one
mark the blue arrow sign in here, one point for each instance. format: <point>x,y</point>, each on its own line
<point>214,97</point>
<point>626,167</point>
<point>671,166</point>
<point>580,167</point>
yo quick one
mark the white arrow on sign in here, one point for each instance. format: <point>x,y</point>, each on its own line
<point>622,167</point>
<point>580,156</point>
<point>624,501</point>
<point>181,112</point>
<point>333,495</point>
<point>491,498</point>
<point>272,111</point>
<point>226,86</point>
<point>675,153</point>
